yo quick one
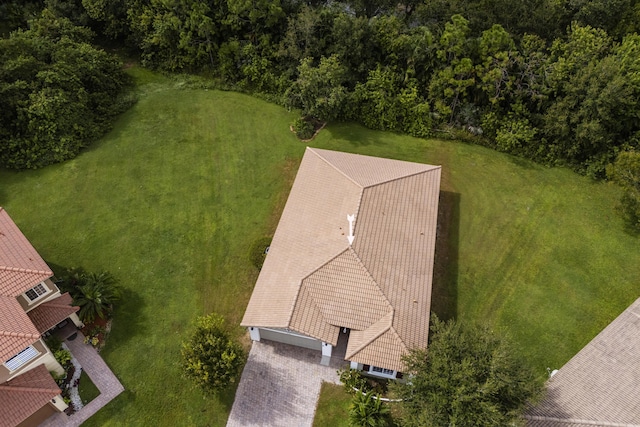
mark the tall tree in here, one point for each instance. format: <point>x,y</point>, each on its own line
<point>319,90</point>
<point>468,376</point>
<point>57,93</point>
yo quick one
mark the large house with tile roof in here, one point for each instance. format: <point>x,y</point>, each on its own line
<point>30,306</point>
<point>599,386</point>
<point>351,261</point>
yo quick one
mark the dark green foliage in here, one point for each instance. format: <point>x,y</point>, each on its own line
<point>467,376</point>
<point>210,357</point>
<point>552,81</point>
<point>303,128</point>
<point>353,379</point>
<point>318,91</point>
<point>258,251</point>
<point>94,293</point>
<point>57,93</point>
<point>367,410</point>
<point>626,173</point>
<point>54,343</point>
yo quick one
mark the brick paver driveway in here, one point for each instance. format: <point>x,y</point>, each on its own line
<point>280,386</point>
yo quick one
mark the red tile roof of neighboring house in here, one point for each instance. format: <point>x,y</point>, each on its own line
<point>17,332</point>
<point>601,384</point>
<point>50,313</point>
<point>21,267</point>
<point>25,394</point>
<point>315,281</point>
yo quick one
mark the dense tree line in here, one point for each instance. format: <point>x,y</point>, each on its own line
<point>554,81</point>
<point>57,92</point>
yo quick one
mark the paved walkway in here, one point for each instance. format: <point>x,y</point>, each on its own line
<point>280,386</point>
<point>102,377</point>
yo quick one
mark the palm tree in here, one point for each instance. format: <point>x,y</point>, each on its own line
<point>368,410</point>
<point>96,294</point>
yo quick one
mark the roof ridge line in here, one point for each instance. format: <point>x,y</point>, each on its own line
<point>364,344</point>
<point>18,335</point>
<point>404,176</point>
<point>364,267</point>
<point>335,168</point>
<point>25,270</point>
<point>30,389</point>
<point>295,300</point>
<point>579,421</point>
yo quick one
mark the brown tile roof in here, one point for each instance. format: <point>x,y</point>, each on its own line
<point>601,384</point>
<point>50,313</point>
<point>314,282</point>
<point>21,267</point>
<point>16,330</point>
<point>25,394</point>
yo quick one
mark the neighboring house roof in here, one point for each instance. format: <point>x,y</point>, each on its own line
<point>16,330</point>
<point>314,282</point>
<point>21,267</point>
<point>25,394</point>
<point>50,313</point>
<point>601,384</point>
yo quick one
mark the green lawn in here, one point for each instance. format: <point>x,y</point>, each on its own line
<point>333,406</point>
<point>87,389</point>
<point>171,200</point>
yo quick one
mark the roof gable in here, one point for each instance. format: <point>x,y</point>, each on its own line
<point>50,313</point>
<point>25,394</point>
<point>21,267</point>
<point>16,330</point>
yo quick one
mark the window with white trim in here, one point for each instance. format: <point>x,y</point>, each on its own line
<point>382,371</point>
<point>21,358</point>
<point>36,292</point>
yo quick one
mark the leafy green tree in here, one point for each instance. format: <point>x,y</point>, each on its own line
<point>468,376</point>
<point>57,92</point>
<point>318,91</point>
<point>626,173</point>
<point>210,357</point>
<point>450,85</point>
<point>367,410</point>
<point>594,91</point>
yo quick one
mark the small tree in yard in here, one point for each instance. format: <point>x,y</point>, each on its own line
<point>210,357</point>
<point>467,377</point>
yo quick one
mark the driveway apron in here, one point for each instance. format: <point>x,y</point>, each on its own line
<point>280,386</point>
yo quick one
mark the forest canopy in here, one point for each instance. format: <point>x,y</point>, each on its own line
<point>553,81</point>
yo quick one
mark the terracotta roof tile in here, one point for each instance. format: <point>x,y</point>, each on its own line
<point>50,313</point>
<point>313,282</point>
<point>21,267</point>
<point>16,330</point>
<point>601,384</point>
<point>25,394</point>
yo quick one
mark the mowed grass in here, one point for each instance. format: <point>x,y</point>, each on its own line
<point>87,389</point>
<point>171,200</point>
<point>333,406</point>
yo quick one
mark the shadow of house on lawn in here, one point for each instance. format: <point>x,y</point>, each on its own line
<point>444,294</point>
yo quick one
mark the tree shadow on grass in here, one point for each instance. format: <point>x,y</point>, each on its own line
<point>128,319</point>
<point>356,134</point>
<point>444,294</point>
